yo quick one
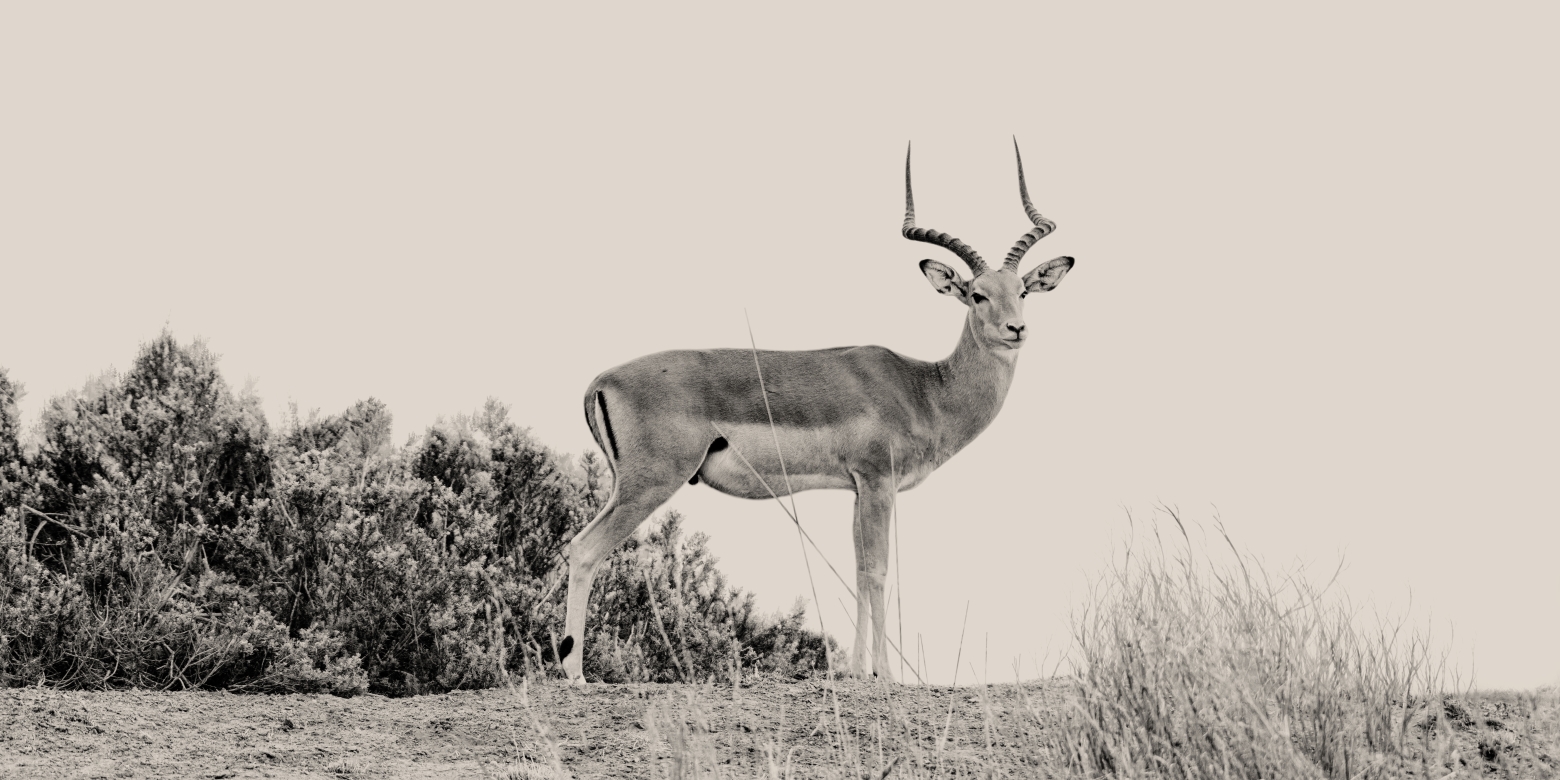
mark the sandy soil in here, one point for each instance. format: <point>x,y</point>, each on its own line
<point>600,730</point>
<point>615,731</point>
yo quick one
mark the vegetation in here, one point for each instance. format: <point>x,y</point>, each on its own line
<point>1011,731</point>
<point>156,532</point>
<point>1182,669</point>
<point>1192,670</point>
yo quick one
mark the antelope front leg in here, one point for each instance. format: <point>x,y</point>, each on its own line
<point>874,510</point>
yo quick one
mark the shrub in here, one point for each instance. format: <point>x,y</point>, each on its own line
<point>10,442</point>
<point>661,611</point>
<point>169,433</point>
<point>163,536</point>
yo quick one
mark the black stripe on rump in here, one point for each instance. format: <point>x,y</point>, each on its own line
<point>606,422</point>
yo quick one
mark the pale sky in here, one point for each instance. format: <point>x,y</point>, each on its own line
<point>1313,297</point>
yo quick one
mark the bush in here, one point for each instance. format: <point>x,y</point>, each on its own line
<point>10,442</point>
<point>163,536</point>
<point>168,436</point>
<point>662,612</point>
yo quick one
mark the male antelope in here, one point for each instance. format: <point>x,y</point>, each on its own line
<point>857,418</point>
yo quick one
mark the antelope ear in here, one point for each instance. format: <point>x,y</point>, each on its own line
<point>945,280</point>
<point>1047,275</point>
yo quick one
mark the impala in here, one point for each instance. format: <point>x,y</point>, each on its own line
<point>865,419</point>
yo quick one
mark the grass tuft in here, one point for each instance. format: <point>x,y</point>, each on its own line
<point>1193,669</point>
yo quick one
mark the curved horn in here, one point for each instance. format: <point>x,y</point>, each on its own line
<point>1043,226</point>
<point>910,231</point>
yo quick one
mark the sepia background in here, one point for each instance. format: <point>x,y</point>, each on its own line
<point>1314,296</point>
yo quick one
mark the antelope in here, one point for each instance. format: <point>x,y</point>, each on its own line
<point>865,419</point>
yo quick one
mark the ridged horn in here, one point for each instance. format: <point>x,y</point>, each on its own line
<point>1043,226</point>
<point>963,250</point>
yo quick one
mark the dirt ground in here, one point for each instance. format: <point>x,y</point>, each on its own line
<point>598,730</point>
<point>621,731</point>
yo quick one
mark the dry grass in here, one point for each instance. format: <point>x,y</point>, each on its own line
<point>980,732</point>
<point>1184,668</point>
<point>1189,669</point>
<point>1011,731</point>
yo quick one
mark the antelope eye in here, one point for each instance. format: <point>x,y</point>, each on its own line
<point>978,298</point>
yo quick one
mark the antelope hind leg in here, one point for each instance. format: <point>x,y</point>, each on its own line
<point>632,501</point>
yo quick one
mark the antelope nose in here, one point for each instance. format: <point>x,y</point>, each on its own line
<point>1017,329</point>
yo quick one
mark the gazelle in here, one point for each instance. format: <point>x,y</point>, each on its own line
<point>855,418</point>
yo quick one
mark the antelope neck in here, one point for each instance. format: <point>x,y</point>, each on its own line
<point>975,382</point>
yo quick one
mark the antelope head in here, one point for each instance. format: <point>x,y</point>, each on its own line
<point>995,297</point>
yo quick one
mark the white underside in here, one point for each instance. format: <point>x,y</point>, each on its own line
<point>813,459</point>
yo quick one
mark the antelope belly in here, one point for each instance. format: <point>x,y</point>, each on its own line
<point>811,462</point>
